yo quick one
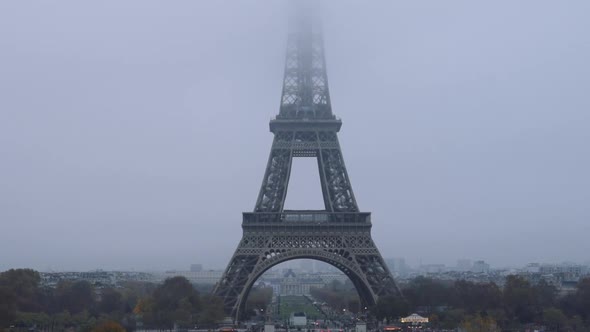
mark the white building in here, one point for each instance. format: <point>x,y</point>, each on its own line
<point>196,277</point>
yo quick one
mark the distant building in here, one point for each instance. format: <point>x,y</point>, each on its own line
<point>433,268</point>
<point>572,269</point>
<point>464,265</point>
<point>98,278</point>
<point>397,265</point>
<point>480,267</point>
<point>292,284</point>
<point>196,277</point>
<point>196,267</point>
<point>564,276</point>
<point>532,268</point>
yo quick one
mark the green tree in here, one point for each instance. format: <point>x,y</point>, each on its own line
<point>338,295</point>
<point>576,323</point>
<point>476,297</point>
<point>450,319</point>
<point>62,320</point>
<point>390,308</point>
<point>259,298</point>
<point>175,301</point>
<point>545,294</point>
<point>75,296</point>
<point>7,306</point>
<point>582,299</point>
<point>40,320</point>
<point>212,312</point>
<point>111,301</point>
<point>499,315</point>
<point>554,319</point>
<point>24,285</point>
<point>426,292</point>
<point>519,299</point>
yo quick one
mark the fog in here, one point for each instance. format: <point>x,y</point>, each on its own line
<point>133,134</point>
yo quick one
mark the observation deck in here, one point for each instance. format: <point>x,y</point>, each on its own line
<point>306,218</point>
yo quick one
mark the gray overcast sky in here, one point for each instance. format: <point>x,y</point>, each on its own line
<point>134,133</point>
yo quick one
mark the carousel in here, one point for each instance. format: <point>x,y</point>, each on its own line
<point>414,320</point>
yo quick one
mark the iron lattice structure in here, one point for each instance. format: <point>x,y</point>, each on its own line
<point>340,235</point>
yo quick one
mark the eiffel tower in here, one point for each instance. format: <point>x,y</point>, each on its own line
<point>339,235</point>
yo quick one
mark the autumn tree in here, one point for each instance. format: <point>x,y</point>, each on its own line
<point>108,326</point>
<point>480,323</point>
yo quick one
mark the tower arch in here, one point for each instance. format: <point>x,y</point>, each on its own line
<point>341,242</point>
<point>364,292</point>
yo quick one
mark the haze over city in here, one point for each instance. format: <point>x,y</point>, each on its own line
<point>134,134</point>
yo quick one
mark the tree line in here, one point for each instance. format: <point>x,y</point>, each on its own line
<point>338,295</point>
<point>176,302</point>
<point>25,303</point>
<point>476,306</point>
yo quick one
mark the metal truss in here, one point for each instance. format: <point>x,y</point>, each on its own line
<point>340,235</point>
<point>324,146</point>
<point>305,83</point>
<point>350,249</point>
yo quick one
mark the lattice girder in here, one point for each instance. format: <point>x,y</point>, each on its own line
<point>305,84</point>
<point>353,253</point>
<point>321,144</point>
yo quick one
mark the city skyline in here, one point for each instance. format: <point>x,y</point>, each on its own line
<point>297,264</point>
<point>138,145</point>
